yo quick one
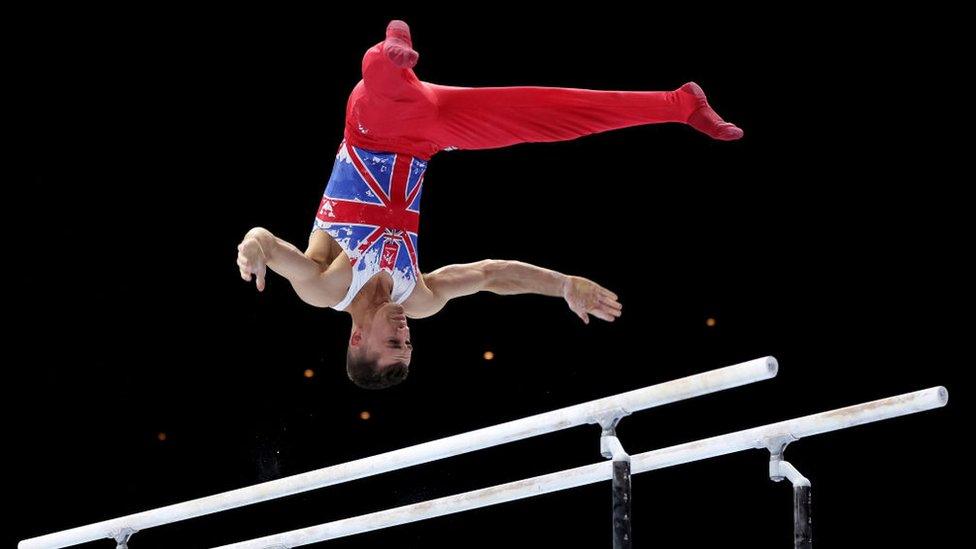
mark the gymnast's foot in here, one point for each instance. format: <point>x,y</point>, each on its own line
<point>705,119</point>
<point>398,45</point>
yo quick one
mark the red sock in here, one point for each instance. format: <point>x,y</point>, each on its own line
<point>398,45</point>
<point>705,119</point>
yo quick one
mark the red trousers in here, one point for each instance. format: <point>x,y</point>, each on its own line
<point>391,110</point>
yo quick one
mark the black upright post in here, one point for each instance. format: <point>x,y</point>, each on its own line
<point>611,448</point>
<point>802,521</point>
<point>621,504</point>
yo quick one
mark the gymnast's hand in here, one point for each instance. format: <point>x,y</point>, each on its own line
<point>586,297</point>
<point>251,259</point>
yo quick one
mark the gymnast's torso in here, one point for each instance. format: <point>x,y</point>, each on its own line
<point>371,211</point>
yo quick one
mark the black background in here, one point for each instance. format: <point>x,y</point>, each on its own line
<point>833,237</point>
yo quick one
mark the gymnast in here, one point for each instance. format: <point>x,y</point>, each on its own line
<point>362,253</point>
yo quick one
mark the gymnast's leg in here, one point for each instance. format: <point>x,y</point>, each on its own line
<point>492,117</point>
<point>485,118</point>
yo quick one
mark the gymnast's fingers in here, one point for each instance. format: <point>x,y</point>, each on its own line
<point>607,293</point>
<point>602,315</point>
<point>261,272</point>
<point>615,313</point>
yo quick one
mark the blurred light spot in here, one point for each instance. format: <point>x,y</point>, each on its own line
<point>489,355</point>
<point>310,373</point>
<point>364,415</point>
<point>161,437</point>
<point>710,322</point>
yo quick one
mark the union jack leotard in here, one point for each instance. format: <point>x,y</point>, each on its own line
<point>371,207</point>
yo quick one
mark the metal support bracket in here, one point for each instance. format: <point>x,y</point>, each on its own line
<point>780,469</point>
<point>122,538</point>
<point>609,417</point>
<point>611,448</point>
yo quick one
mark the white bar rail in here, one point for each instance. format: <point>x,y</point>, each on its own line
<point>758,437</point>
<point>564,418</point>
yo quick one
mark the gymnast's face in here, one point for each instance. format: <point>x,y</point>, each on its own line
<point>388,336</point>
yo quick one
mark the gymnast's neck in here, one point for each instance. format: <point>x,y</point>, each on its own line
<point>373,295</point>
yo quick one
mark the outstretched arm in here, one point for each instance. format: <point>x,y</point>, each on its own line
<point>261,250</point>
<point>583,296</point>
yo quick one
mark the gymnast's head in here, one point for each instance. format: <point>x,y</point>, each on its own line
<point>379,348</point>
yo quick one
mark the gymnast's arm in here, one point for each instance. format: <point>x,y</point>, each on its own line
<point>583,296</point>
<point>261,250</point>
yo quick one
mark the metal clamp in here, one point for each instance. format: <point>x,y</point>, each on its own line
<point>122,537</point>
<point>609,418</point>
<point>776,444</point>
<point>779,468</point>
<point>610,446</point>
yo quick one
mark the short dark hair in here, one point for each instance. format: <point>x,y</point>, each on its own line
<point>363,369</point>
